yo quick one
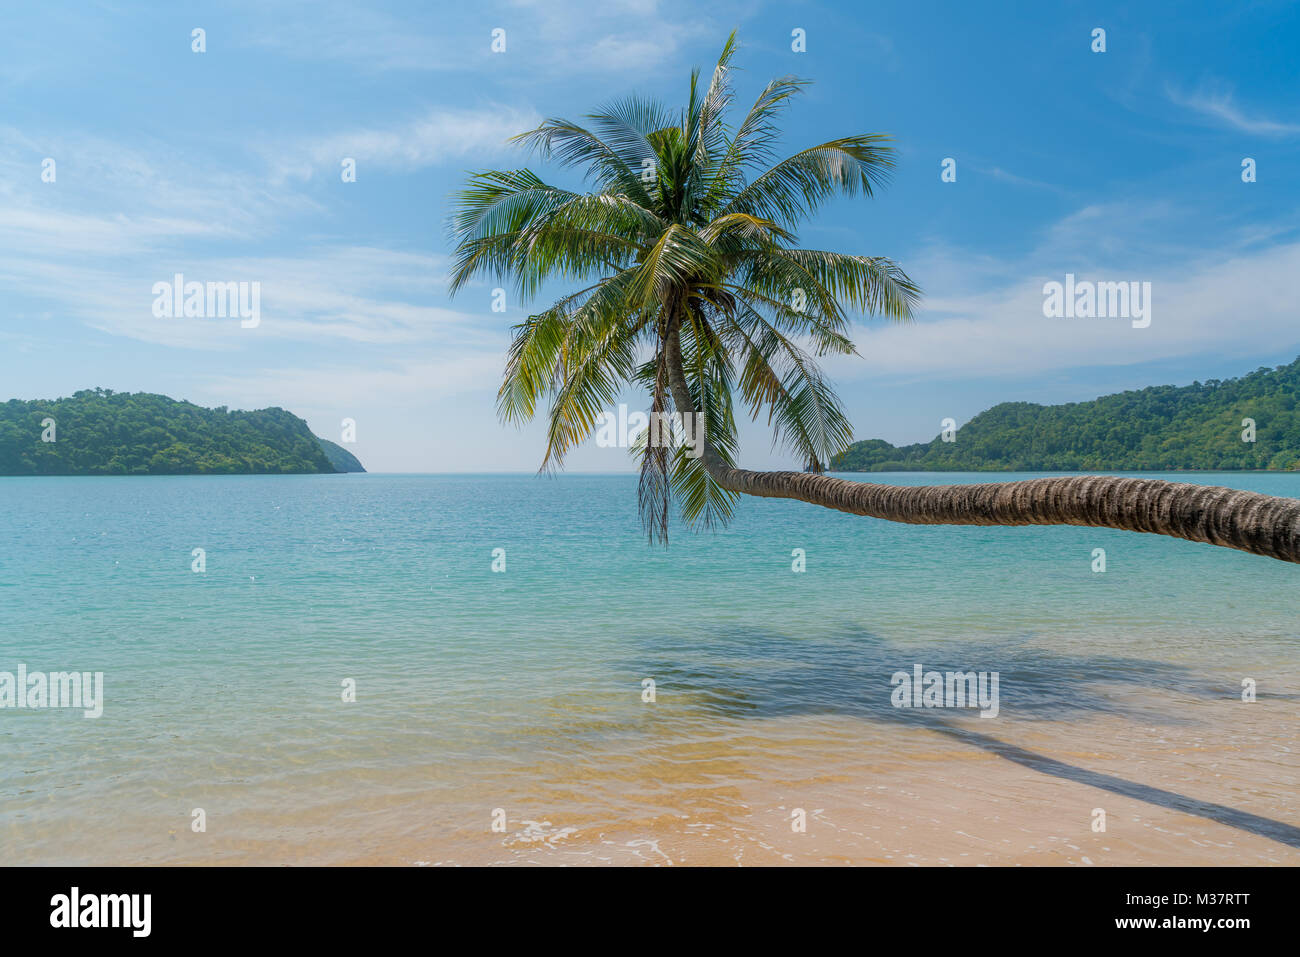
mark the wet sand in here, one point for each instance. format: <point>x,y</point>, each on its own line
<point>1218,788</point>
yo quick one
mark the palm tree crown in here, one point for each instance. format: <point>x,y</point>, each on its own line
<point>687,241</point>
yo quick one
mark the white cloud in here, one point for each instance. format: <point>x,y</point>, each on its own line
<point>997,172</point>
<point>340,294</point>
<point>401,381</point>
<point>113,200</point>
<point>91,245</point>
<point>637,49</point>
<point>1228,305</point>
<point>1221,107</point>
<point>559,37</point>
<point>369,39</point>
<point>433,138</point>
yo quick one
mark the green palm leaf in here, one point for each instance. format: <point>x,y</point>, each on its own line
<point>676,246</point>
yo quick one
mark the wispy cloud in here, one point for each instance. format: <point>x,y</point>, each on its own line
<point>435,137</point>
<point>402,380</point>
<point>560,37</point>
<point>1221,107</point>
<point>359,295</point>
<point>89,246</point>
<point>1014,179</point>
<point>113,199</point>
<point>984,316</point>
<point>369,39</point>
<point>637,49</point>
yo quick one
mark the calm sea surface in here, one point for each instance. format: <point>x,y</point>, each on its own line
<point>522,690</point>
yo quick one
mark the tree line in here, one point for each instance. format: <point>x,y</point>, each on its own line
<point>102,432</point>
<point>1201,426</point>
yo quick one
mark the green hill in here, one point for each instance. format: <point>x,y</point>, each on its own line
<point>340,458</point>
<point>1163,428</point>
<point>101,432</point>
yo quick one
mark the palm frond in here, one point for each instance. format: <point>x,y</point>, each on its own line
<point>685,241</point>
<point>795,187</point>
<point>571,145</point>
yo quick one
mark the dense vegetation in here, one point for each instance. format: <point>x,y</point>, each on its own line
<point>101,432</point>
<point>340,458</point>
<point>1162,428</point>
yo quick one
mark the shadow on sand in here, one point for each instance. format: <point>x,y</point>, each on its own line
<point>756,675</point>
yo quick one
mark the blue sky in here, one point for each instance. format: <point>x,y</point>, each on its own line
<point>225,166</point>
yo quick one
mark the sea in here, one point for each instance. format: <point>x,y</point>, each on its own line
<point>483,669</point>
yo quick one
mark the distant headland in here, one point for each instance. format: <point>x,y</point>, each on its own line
<point>102,432</point>
<point>1251,423</point>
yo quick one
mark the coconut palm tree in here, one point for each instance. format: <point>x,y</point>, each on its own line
<point>692,285</point>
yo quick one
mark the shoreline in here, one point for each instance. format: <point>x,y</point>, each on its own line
<point>1199,792</point>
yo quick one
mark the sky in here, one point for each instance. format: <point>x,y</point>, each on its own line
<point>226,165</point>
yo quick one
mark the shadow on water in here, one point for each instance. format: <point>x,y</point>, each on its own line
<point>745,674</point>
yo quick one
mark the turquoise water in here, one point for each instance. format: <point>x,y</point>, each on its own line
<point>222,689</point>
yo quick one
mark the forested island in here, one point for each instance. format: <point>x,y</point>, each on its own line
<point>1161,428</point>
<point>102,432</point>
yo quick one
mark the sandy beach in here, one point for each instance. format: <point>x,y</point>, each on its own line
<point>1216,789</point>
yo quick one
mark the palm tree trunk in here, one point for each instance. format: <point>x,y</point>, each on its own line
<point>1261,524</point>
